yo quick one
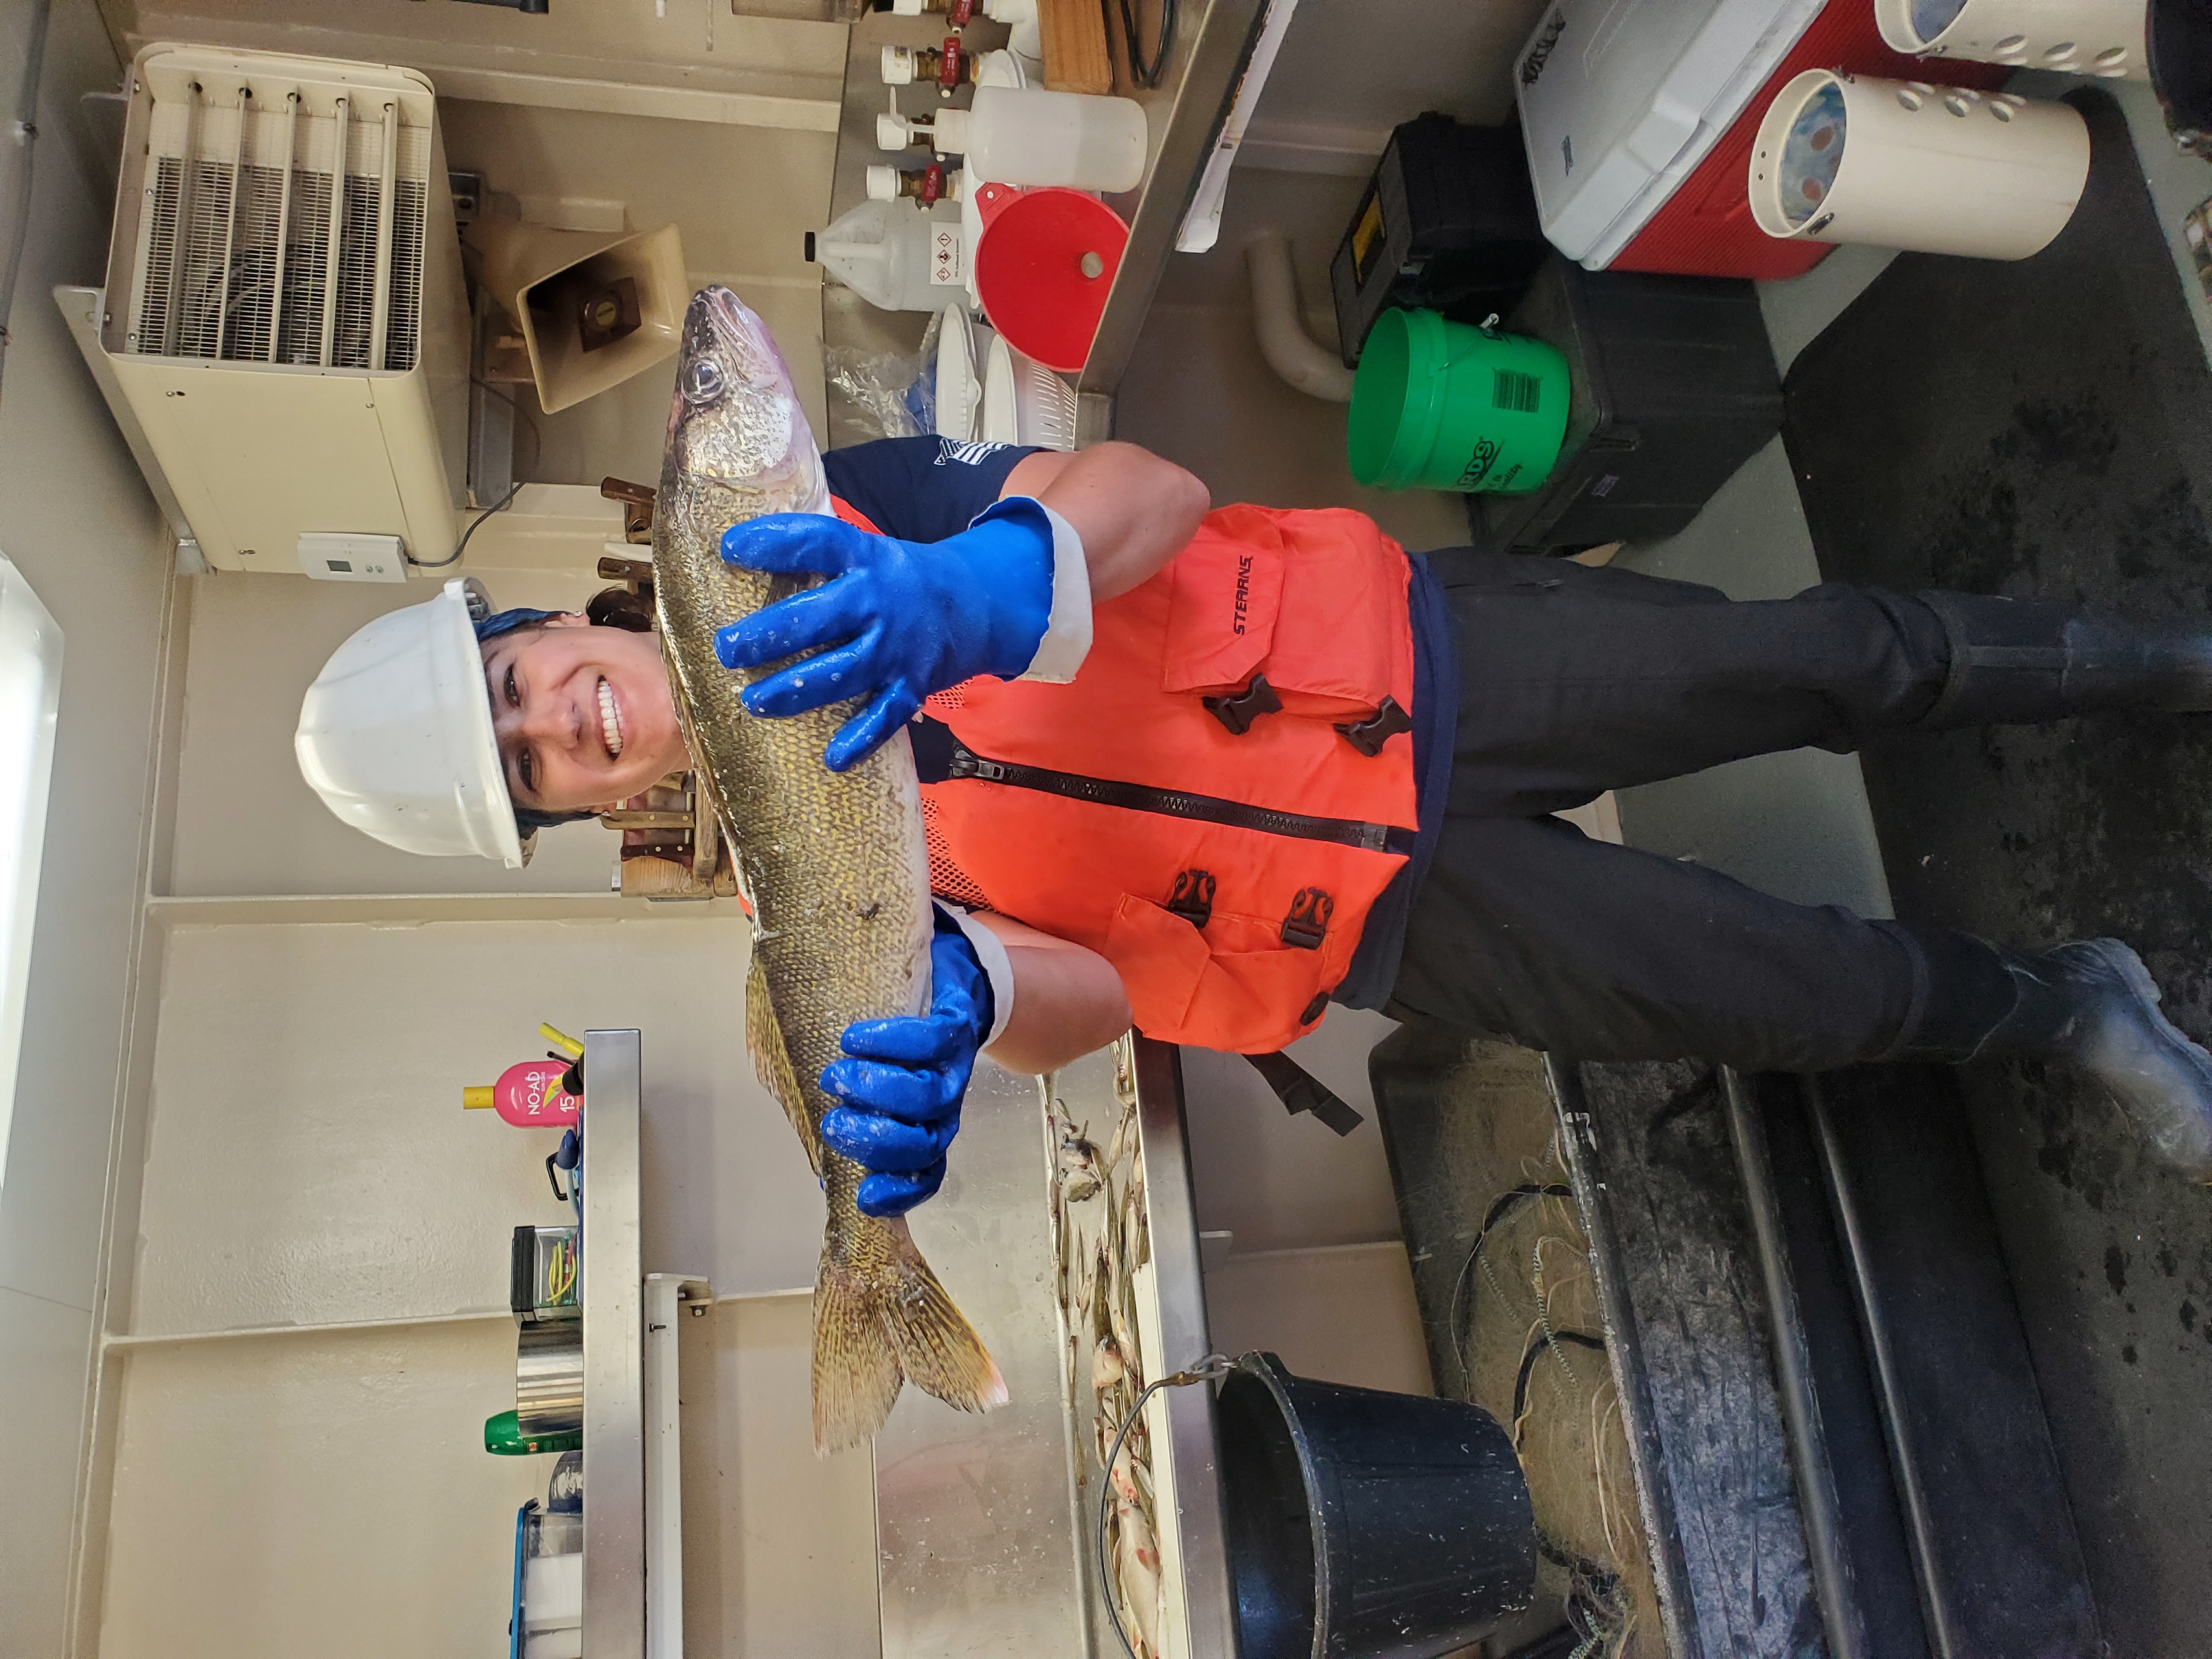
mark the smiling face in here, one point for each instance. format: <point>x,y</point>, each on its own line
<point>583,714</point>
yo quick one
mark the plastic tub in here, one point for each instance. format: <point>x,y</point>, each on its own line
<point>1442,405</point>
<point>1904,164</point>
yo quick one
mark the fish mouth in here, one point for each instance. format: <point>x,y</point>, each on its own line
<point>725,313</point>
<point>610,728</point>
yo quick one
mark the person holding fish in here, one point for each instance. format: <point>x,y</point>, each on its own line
<point>1210,769</point>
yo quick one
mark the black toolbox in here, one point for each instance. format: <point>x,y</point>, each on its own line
<point>1448,222</point>
<point>1671,388</point>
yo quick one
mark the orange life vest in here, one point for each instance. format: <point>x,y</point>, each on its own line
<point>1226,873</point>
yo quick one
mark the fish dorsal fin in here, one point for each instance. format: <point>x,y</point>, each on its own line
<point>772,1061</point>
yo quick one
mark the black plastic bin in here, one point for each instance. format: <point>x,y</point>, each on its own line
<point>1367,1525</point>
<point>1447,223</point>
<point>1672,387</point>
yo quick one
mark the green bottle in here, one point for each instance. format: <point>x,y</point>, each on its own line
<point>503,1437</point>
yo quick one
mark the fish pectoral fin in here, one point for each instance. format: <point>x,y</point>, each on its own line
<point>772,1061</point>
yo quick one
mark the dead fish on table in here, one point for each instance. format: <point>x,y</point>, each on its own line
<point>834,863</point>
<point>1081,1174</point>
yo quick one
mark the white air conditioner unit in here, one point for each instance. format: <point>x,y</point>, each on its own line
<point>285,313</point>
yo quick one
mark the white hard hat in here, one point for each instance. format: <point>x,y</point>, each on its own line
<point>395,734</point>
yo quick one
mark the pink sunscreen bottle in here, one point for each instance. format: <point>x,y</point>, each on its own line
<point>529,1095</point>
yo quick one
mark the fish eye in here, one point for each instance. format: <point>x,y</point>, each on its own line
<point>703,380</point>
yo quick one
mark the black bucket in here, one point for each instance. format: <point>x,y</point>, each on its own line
<point>1366,1525</point>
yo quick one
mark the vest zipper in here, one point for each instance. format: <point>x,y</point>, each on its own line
<point>1173,803</point>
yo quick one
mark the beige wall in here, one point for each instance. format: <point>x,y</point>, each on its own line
<point>328,1494</point>
<point>1341,1314</point>
<point>76,519</point>
<point>308,1162</point>
<point>1349,70</point>
<point>316,1495</point>
<point>307,1157</point>
<point>779,1544</point>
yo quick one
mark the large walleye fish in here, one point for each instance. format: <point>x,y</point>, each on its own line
<point>835,864</point>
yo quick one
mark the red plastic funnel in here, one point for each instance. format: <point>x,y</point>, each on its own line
<point>1043,266</point>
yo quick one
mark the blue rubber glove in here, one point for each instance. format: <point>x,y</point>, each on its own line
<point>903,1082</point>
<point>898,621</point>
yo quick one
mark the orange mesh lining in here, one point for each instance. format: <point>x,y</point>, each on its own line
<point>947,880</point>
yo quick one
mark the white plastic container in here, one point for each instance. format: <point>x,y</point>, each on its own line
<point>1025,402</point>
<point>898,255</point>
<point>2103,38</point>
<point>963,348</point>
<point>1030,136</point>
<point>1906,165</point>
<point>1620,100</point>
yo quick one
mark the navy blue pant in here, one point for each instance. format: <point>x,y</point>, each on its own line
<point>1574,681</point>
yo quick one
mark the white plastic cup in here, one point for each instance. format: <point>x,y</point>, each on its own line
<point>2103,38</point>
<point>1908,165</point>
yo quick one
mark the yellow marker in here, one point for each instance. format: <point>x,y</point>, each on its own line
<point>562,1041</point>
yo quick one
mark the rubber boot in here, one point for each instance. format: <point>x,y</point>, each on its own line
<point>2092,1003</point>
<point>2019,661</point>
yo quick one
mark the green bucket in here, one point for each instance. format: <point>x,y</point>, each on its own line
<point>1441,405</point>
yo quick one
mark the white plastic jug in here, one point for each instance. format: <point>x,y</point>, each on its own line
<point>1031,136</point>
<point>898,255</point>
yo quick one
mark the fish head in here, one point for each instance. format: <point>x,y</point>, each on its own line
<point>736,420</point>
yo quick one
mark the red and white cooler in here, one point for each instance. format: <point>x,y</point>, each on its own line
<point>1640,114</point>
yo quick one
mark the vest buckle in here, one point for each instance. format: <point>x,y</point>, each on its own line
<point>1308,921</point>
<point>1192,899</point>
<point>1238,712</point>
<point>1367,736</point>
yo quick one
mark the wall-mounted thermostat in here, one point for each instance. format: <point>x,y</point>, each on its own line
<point>333,557</point>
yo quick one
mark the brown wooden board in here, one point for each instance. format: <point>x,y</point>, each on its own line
<point>1076,58</point>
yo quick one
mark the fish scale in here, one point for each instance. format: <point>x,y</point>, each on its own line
<point>835,864</point>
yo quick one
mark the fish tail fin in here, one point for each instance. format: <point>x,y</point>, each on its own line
<point>879,1325</point>
<point>856,1369</point>
<point>937,1347</point>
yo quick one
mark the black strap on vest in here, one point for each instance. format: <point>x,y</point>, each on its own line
<point>1300,1091</point>
<point>1367,736</point>
<point>1308,922</point>
<point>1238,712</point>
<point>1192,898</point>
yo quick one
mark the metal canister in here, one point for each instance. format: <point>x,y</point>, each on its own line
<point>548,1378</point>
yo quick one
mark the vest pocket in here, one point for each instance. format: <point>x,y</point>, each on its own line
<point>1221,616</point>
<point>1318,611</point>
<point>1234,986</point>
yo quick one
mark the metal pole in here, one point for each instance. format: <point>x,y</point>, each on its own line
<point>379,314</point>
<point>283,220</point>
<point>334,244</point>
<point>230,218</point>
<point>181,252</point>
